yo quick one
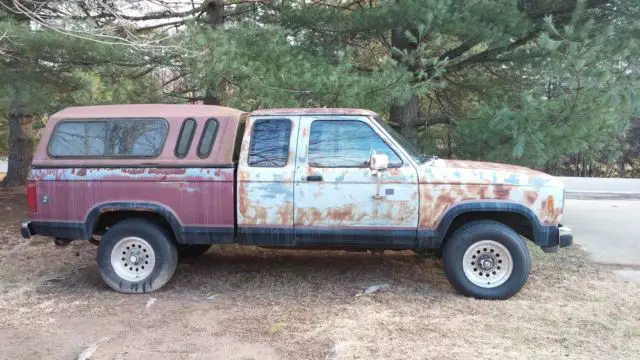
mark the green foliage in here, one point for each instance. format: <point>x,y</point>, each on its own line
<point>537,83</point>
<point>262,68</point>
<point>583,101</point>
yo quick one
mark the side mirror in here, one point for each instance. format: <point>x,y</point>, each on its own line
<point>378,162</point>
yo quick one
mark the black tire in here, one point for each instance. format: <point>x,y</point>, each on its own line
<point>465,237</point>
<point>160,240</point>
<point>191,251</point>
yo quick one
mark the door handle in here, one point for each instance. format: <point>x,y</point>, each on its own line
<point>314,178</point>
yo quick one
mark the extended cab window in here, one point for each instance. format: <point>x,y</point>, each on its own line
<point>186,136</point>
<point>208,138</point>
<point>270,143</point>
<point>108,138</point>
<point>346,143</point>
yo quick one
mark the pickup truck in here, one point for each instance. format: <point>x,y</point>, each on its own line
<point>149,184</point>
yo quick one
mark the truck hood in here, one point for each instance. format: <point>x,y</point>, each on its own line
<point>442,171</point>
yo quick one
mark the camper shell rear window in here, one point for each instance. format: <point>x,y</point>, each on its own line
<point>108,138</point>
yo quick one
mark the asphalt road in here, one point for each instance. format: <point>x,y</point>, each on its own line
<point>603,188</point>
<point>609,230</point>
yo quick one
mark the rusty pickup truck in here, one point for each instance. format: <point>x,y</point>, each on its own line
<point>149,184</point>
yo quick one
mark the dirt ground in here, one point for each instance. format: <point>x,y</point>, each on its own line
<point>246,303</point>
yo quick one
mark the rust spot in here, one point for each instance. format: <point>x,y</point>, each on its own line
<point>305,132</point>
<point>342,214</point>
<point>477,191</point>
<point>308,216</point>
<point>261,215</point>
<point>169,171</point>
<point>218,172</point>
<point>301,217</point>
<point>426,204</point>
<point>82,172</point>
<point>501,191</point>
<point>530,197</point>
<point>134,171</point>
<point>316,216</point>
<point>285,213</point>
<point>243,201</point>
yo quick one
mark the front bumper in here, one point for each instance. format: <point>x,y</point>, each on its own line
<point>564,239</point>
<point>26,230</point>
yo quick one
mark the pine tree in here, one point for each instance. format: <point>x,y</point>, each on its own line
<point>536,82</point>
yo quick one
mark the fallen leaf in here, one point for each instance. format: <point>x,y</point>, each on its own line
<point>150,302</point>
<point>375,288</point>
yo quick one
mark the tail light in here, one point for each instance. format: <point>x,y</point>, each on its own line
<point>32,197</point>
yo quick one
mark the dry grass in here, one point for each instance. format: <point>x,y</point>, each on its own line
<point>302,305</point>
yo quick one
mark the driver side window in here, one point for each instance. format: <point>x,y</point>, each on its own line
<point>346,144</point>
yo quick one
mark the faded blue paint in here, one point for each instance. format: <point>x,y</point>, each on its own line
<point>277,189</point>
<point>537,181</point>
<point>513,179</point>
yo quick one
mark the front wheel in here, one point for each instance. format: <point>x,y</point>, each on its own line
<point>486,260</point>
<point>137,256</point>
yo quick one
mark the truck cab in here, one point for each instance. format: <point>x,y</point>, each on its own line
<point>151,183</point>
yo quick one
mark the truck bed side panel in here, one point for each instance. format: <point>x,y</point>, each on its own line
<point>198,198</point>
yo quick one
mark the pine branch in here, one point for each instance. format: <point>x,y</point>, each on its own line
<point>166,14</point>
<point>158,26</point>
<point>458,51</point>
<point>492,54</point>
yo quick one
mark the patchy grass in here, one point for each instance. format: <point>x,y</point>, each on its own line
<point>303,305</point>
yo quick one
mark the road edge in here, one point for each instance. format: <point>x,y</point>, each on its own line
<point>601,195</point>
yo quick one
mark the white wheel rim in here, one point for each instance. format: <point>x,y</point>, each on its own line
<point>133,259</point>
<point>487,264</point>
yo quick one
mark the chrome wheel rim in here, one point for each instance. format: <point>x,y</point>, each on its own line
<point>133,259</point>
<point>487,264</point>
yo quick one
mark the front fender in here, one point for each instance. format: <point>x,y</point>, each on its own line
<point>543,235</point>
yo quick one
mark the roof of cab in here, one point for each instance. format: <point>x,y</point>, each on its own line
<point>312,111</point>
<point>146,110</point>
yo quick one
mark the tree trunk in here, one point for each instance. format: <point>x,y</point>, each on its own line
<point>215,18</point>
<point>405,114</point>
<point>20,149</point>
<point>621,167</point>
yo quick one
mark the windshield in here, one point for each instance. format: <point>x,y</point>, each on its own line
<point>402,141</point>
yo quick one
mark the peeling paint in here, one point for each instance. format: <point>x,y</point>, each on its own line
<point>265,195</point>
<point>198,196</point>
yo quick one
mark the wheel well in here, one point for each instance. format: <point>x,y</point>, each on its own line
<point>110,218</point>
<point>518,222</point>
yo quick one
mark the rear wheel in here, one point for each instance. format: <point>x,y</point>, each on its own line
<point>137,256</point>
<point>486,260</point>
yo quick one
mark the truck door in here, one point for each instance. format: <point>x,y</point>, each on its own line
<point>265,181</point>
<point>338,199</point>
